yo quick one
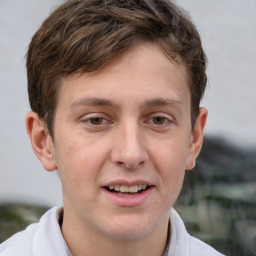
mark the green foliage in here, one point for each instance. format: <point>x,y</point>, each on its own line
<point>218,198</point>
<point>16,217</point>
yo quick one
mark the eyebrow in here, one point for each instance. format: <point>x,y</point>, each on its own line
<point>94,101</point>
<point>163,102</point>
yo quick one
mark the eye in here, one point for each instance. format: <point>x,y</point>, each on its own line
<point>96,120</point>
<point>159,120</point>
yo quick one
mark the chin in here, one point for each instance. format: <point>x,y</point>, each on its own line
<point>127,234</point>
<point>129,228</point>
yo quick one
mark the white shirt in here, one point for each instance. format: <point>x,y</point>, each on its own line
<point>45,239</point>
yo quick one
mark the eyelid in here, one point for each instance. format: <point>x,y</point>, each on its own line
<point>161,114</point>
<point>86,118</point>
<point>94,115</point>
<point>167,117</point>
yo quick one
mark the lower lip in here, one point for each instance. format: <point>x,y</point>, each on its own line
<point>129,201</point>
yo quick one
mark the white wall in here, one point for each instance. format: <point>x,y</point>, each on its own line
<point>228,30</point>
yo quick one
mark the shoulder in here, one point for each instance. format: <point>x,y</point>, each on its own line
<point>19,244</point>
<point>199,248</point>
<point>36,238</point>
<point>182,244</point>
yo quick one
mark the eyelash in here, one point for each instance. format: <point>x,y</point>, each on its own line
<point>165,120</point>
<point>97,119</point>
<point>90,120</point>
<point>156,121</point>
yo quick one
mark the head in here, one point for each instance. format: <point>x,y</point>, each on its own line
<point>115,88</point>
<point>85,35</point>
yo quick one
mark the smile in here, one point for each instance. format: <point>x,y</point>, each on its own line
<point>128,193</point>
<point>124,190</point>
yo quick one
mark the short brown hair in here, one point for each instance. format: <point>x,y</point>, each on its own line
<point>85,35</point>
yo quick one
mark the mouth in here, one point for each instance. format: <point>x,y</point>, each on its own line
<point>127,191</point>
<point>129,194</point>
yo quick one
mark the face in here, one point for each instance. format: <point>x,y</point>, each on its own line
<point>122,142</point>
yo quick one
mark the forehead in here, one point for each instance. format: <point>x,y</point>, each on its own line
<point>147,55</point>
<point>143,73</point>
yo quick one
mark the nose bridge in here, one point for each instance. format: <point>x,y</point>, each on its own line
<point>129,149</point>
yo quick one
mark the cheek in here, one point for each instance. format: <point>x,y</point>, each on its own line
<point>170,160</point>
<point>79,161</point>
<point>172,154</point>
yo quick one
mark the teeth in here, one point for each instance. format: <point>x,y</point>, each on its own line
<point>133,189</point>
<point>117,187</point>
<point>127,195</point>
<point>126,189</point>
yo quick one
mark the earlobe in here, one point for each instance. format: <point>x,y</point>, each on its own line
<point>41,140</point>
<point>197,138</point>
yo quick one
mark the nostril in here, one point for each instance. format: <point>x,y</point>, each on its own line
<point>129,166</point>
<point>120,163</point>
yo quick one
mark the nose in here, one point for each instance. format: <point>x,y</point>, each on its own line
<point>129,149</point>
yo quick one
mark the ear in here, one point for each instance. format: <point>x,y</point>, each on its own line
<point>196,138</point>
<point>41,140</point>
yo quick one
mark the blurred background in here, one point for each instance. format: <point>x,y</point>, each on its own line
<point>218,202</point>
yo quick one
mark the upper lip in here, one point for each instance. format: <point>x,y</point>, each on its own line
<point>127,183</point>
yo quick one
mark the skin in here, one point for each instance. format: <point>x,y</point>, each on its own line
<point>129,121</point>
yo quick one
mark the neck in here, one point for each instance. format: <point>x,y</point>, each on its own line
<point>85,241</point>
